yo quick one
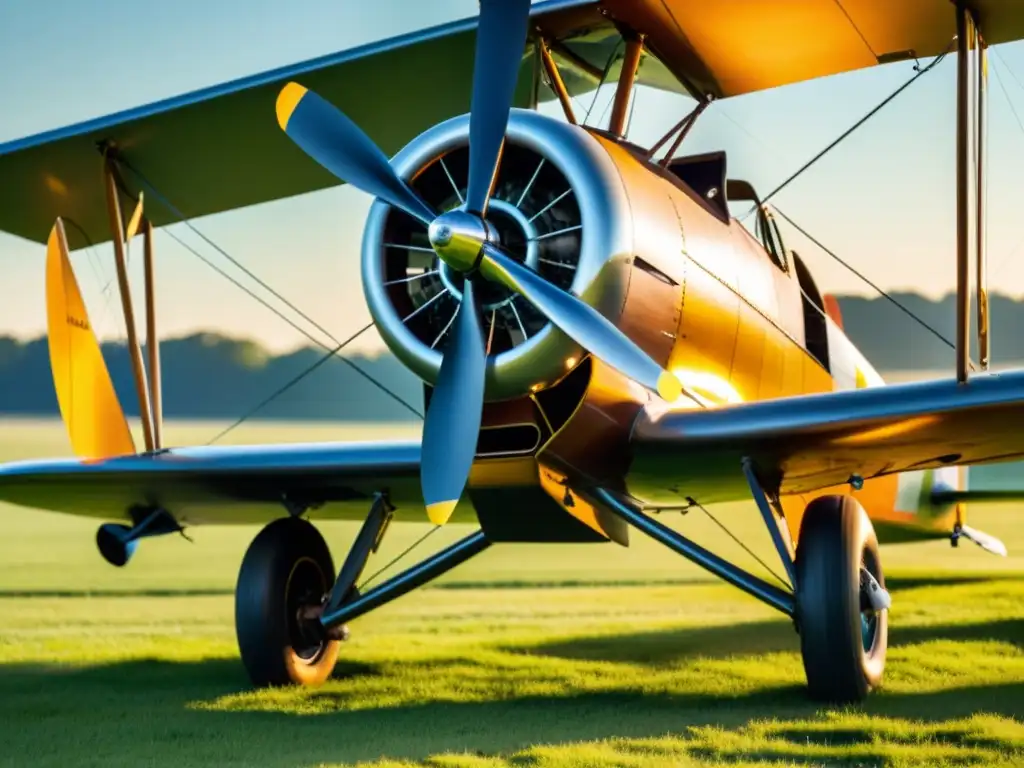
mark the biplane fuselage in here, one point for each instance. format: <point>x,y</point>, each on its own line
<point>732,313</point>
<point>599,339</point>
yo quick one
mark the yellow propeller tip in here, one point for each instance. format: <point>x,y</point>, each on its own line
<point>441,511</point>
<point>669,386</point>
<point>287,101</point>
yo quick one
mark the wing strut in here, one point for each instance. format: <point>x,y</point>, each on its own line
<point>148,389</point>
<point>971,95</point>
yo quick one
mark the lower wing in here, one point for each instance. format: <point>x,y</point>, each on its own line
<point>803,444</point>
<point>237,484</point>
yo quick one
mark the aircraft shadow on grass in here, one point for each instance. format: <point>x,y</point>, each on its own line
<point>193,705</point>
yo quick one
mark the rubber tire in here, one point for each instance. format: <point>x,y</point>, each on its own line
<point>835,534</point>
<point>261,615</point>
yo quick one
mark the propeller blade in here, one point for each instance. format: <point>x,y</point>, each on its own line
<point>585,325</point>
<point>326,134</point>
<point>452,425</point>
<point>500,40</point>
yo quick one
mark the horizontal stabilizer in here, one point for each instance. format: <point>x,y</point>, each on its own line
<point>984,540</point>
<point>997,484</point>
<point>88,402</point>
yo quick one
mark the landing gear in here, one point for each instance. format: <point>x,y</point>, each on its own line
<point>841,600</point>
<point>290,610</point>
<point>286,570</point>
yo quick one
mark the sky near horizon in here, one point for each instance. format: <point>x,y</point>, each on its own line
<point>884,199</point>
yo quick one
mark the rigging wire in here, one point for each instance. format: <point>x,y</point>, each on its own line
<point>177,212</point>
<point>1020,124</point>
<point>291,383</point>
<point>184,220</point>
<point>382,387</point>
<point>93,258</point>
<point>604,77</point>
<point>852,269</point>
<point>735,538</point>
<point>394,560</point>
<point>920,72</point>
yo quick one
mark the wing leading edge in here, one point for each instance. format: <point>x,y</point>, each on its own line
<point>806,443</point>
<point>233,484</point>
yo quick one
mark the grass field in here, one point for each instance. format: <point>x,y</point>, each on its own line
<point>528,656</point>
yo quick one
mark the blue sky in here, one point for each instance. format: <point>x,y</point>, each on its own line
<point>884,199</point>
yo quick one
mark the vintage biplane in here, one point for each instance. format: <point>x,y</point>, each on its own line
<point>600,341</point>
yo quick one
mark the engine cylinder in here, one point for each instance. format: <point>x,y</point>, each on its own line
<point>558,206</point>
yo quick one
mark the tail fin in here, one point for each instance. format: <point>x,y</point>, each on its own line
<point>88,403</point>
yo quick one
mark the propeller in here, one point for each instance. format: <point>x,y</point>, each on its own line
<point>464,241</point>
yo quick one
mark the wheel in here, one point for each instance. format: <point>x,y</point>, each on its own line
<point>842,639</point>
<point>287,567</point>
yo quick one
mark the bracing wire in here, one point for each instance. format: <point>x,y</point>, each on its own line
<point>604,77</point>
<point>843,136</point>
<point>184,220</point>
<point>1020,124</point>
<point>398,557</point>
<point>735,538</point>
<point>397,398</point>
<point>832,145</point>
<point>291,383</point>
<point>863,277</point>
<point>177,212</point>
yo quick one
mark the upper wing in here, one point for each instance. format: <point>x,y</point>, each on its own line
<point>730,47</point>
<point>817,441</point>
<point>220,148</point>
<point>236,484</point>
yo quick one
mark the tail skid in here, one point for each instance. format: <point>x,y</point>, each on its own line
<point>945,495</point>
<point>984,540</point>
<point>88,403</point>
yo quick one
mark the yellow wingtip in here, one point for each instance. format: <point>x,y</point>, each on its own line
<point>287,101</point>
<point>440,512</point>
<point>669,386</point>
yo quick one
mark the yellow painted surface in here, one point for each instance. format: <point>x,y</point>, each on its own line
<point>88,403</point>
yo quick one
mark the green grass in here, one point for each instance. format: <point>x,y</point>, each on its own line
<point>527,656</point>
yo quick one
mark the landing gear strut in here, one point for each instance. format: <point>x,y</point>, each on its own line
<point>838,603</point>
<point>290,620</point>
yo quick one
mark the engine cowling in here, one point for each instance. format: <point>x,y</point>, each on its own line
<point>559,206</point>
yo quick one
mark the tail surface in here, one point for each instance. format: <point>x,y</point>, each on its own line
<point>89,405</point>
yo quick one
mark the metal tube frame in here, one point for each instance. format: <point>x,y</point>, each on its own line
<point>774,520</point>
<point>367,542</point>
<point>690,122</point>
<point>782,601</point>
<point>982,277</point>
<point>134,350</point>
<point>152,339</point>
<point>624,89</point>
<point>671,132</point>
<point>408,580</point>
<point>965,45</point>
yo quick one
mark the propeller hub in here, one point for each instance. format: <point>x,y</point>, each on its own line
<point>457,237</point>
